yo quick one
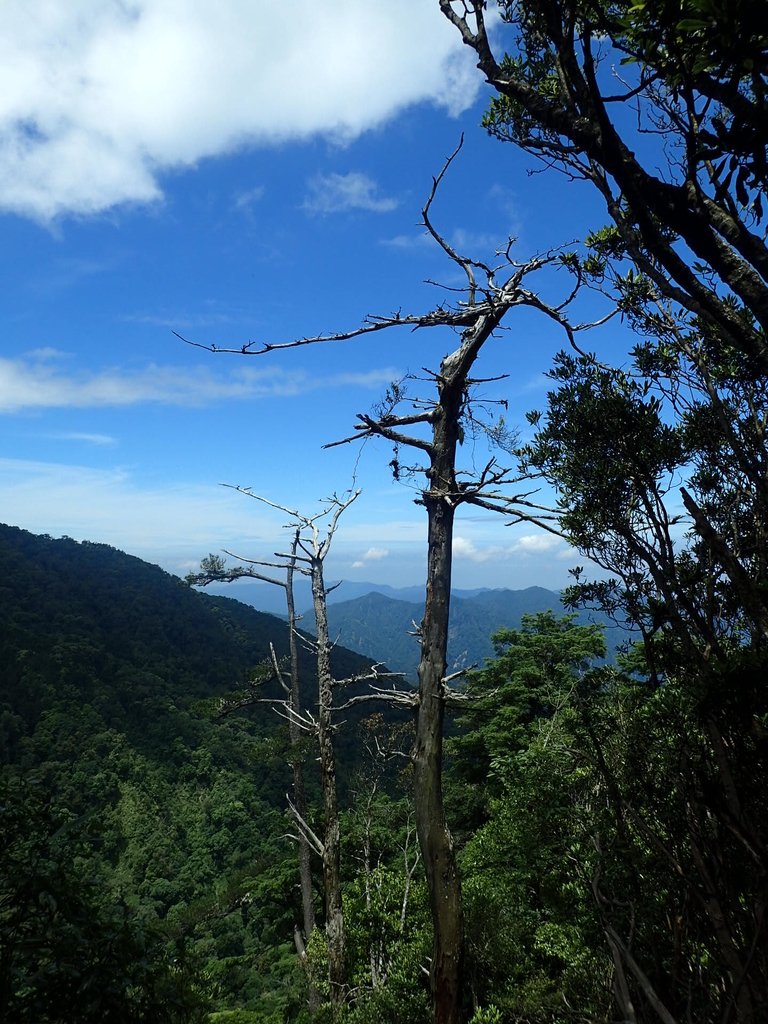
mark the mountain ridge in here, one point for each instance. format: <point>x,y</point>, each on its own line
<point>380,621</point>
<point>383,628</point>
<point>267,598</point>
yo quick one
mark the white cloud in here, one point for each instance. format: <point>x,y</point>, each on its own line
<point>375,554</point>
<point>475,244</point>
<point>98,97</point>
<point>46,353</point>
<point>336,193</point>
<point>536,542</point>
<point>537,382</point>
<point>508,201</point>
<point>530,544</point>
<point>180,321</point>
<point>174,525</point>
<point>246,200</point>
<point>466,242</point>
<point>464,548</point>
<point>36,384</point>
<point>371,555</point>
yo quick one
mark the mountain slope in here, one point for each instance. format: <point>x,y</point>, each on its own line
<point>382,628</point>
<point>107,667</point>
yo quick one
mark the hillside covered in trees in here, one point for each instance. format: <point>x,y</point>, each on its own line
<point>142,863</point>
<point>383,628</point>
<point>146,867</point>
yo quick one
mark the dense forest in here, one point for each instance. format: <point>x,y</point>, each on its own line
<point>146,869</point>
<point>552,838</point>
<point>143,867</point>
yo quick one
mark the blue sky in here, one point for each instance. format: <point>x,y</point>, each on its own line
<point>240,171</point>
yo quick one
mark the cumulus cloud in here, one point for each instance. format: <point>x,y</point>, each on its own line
<point>464,548</point>
<point>530,544</point>
<point>536,542</point>
<point>38,384</point>
<point>97,98</point>
<point>371,555</point>
<point>336,193</point>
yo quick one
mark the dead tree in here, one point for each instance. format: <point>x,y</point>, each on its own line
<point>214,569</point>
<point>306,555</point>
<point>314,550</point>
<point>433,428</point>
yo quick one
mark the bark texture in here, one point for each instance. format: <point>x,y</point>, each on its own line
<point>334,914</point>
<point>434,836</point>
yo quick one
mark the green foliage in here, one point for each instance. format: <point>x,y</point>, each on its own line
<point>534,946</point>
<point>617,445</point>
<point>142,876</point>
<point>596,783</point>
<point>695,48</point>
<point>104,661</point>
<point>64,943</point>
<point>240,1017</point>
<point>487,1015</point>
<point>385,896</point>
<point>513,700</point>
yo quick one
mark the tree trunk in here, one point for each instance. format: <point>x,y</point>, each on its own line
<point>299,790</point>
<point>334,916</point>
<point>434,837</point>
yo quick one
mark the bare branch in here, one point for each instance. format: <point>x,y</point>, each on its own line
<point>372,426</point>
<point>311,837</point>
<point>302,719</point>
<point>372,673</point>
<point>466,264</point>
<point>339,507</point>
<point>278,671</point>
<point>401,698</point>
<point>457,675</point>
<point>248,491</point>
<point>371,325</point>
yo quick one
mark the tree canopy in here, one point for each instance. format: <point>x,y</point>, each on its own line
<point>662,107</point>
<point>660,466</point>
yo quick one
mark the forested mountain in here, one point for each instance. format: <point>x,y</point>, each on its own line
<point>380,622</point>
<point>271,599</point>
<point>383,628</point>
<point>146,869</point>
<point>267,598</point>
<point>132,818</point>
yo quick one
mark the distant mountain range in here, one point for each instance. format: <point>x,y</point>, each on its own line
<point>272,599</point>
<point>380,621</point>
